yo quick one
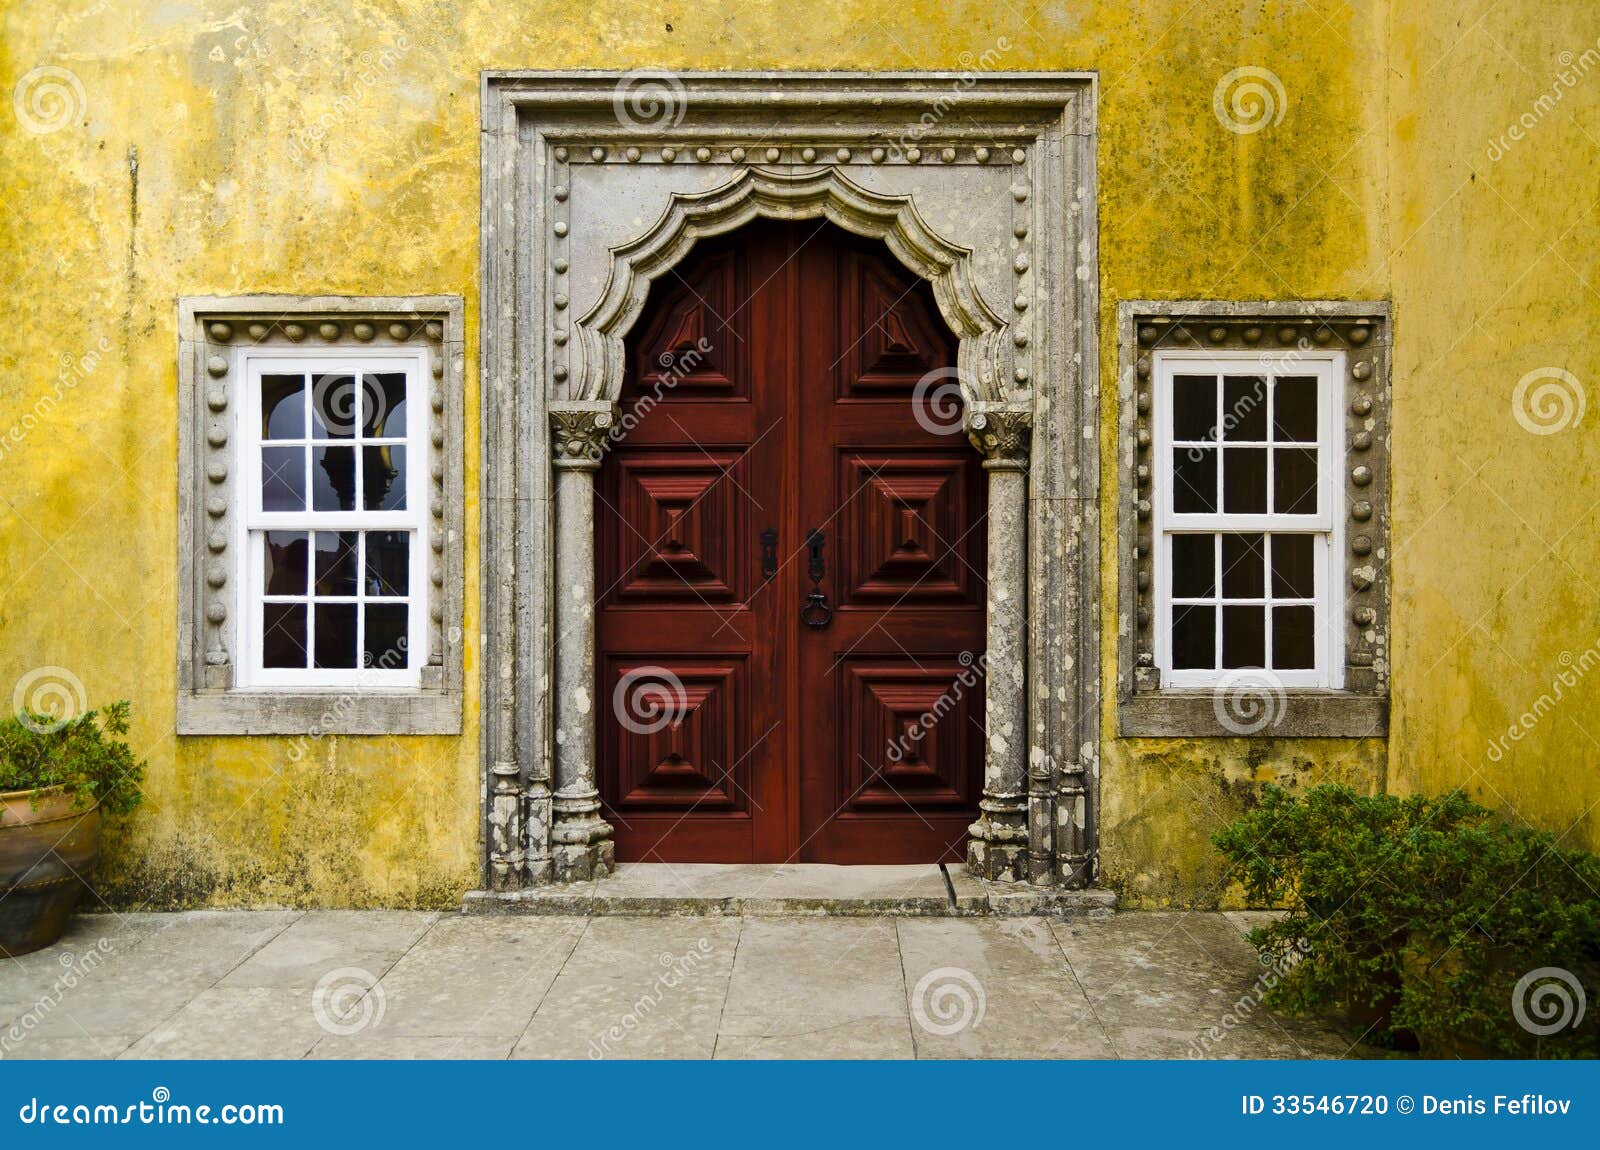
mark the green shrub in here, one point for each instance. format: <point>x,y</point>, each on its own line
<point>86,755</point>
<point>1425,910</point>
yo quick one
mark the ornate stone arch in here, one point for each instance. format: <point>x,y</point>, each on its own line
<point>596,183</point>
<point>825,192</point>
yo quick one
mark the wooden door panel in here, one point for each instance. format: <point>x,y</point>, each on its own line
<point>908,733</point>
<point>694,343</point>
<point>681,723</point>
<point>904,527</point>
<point>681,531</point>
<point>893,341</point>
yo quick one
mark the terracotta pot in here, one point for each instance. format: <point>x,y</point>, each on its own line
<point>43,851</point>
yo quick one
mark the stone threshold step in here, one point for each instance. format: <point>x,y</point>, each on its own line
<point>764,890</point>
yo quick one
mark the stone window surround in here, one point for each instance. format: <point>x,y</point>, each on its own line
<point>211,331</point>
<point>1361,329</point>
<point>570,190</point>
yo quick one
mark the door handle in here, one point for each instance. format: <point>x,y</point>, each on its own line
<point>769,554</point>
<point>815,612</point>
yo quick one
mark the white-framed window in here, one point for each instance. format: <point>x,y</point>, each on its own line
<point>332,528</point>
<point>1247,517</point>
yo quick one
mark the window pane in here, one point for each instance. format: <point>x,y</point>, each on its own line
<point>1294,481</point>
<point>1244,480</point>
<point>285,554</point>
<point>383,405</point>
<point>336,562</point>
<point>1293,576</point>
<point>283,635</point>
<point>1194,638</point>
<point>333,406</point>
<point>385,642</point>
<point>336,635</point>
<point>1244,563</point>
<point>1244,407</point>
<point>1193,557</point>
<point>1294,408</point>
<point>384,477</point>
<point>1194,407</point>
<point>1194,480</point>
<point>1244,636</point>
<point>1294,638</point>
<point>283,479</point>
<point>333,473</point>
<point>283,407</point>
<point>388,563</point>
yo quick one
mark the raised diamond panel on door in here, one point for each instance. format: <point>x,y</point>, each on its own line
<point>908,733</point>
<point>691,345</point>
<point>903,527</point>
<point>682,528</point>
<point>680,726</point>
<point>894,340</point>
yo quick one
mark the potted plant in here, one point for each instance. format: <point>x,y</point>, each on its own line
<point>56,779</point>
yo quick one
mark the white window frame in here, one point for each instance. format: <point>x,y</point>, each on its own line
<point>253,522</point>
<point>1326,524</point>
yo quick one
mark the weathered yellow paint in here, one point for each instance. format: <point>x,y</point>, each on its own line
<point>303,147</point>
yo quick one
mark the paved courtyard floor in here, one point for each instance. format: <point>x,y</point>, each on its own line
<point>403,984</point>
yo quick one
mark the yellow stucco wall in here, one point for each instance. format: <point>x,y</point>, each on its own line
<point>279,151</point>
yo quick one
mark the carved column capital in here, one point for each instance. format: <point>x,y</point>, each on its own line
<point>1002,434</point>
<point>581,431</point>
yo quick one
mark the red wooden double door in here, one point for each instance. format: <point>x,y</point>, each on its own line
<point>790,561</point>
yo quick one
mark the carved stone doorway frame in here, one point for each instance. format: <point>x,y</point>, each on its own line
<point>594,185</point>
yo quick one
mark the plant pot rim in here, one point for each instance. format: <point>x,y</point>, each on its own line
<point>46,794</point>
<point>43,792</point>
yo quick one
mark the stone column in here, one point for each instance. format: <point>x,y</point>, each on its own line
<point>998,846</point>
<point>581,845</point>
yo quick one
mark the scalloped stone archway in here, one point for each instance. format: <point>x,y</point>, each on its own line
<point>983,184</point>
<point>807,193</point>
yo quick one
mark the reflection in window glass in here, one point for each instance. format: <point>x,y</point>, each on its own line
<point>336,635</point>
<point>285,553</point>
<point>383,412</point>
<point>383,476</point>
<point>283,479</point>
<point>1194,407</point>
<point>283,407</point>
<point>283,635</point>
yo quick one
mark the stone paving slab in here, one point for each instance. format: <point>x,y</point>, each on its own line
<point>637,988</point>
<point>413,984</point>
